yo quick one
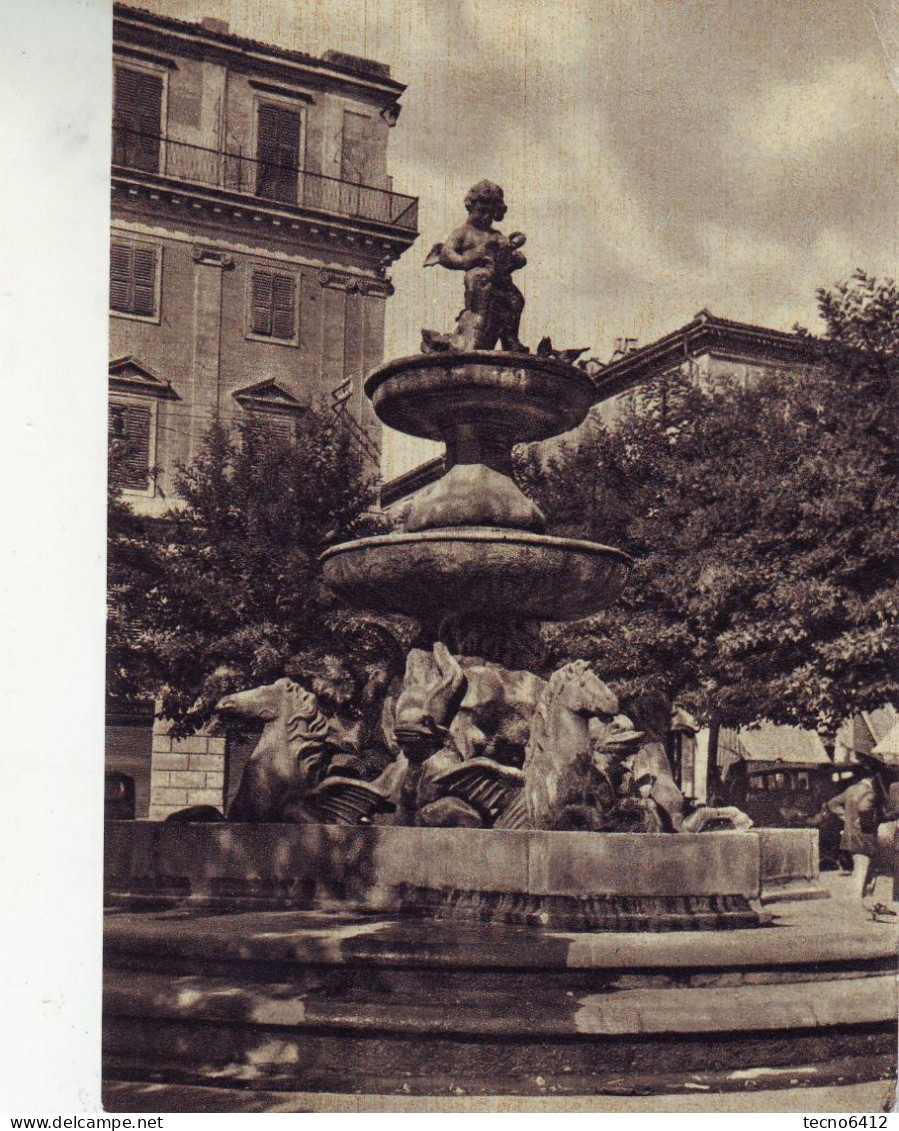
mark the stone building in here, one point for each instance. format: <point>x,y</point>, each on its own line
<point>253,224</point>
<point>708,347</point>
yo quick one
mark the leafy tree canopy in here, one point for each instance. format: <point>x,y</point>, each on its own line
<point>227,592</point>
<point>764,518</point>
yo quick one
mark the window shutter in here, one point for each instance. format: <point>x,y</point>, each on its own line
<point>138,99</point>
<point>283,306</point>
<point>279,135</point>
<point>273,301</point>
<point>132,278</point>
<point>129,425</point>
<point>267,130</point>
<point>137,119</point>
<point>278,153</point>
<point>120,267</point>
<point>144,300</point>
<point>282,428</point>
<point>262,302</point>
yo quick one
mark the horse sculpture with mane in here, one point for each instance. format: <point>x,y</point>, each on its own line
<point>286,778</point>
<point>563,787</point>
<point>292,755</point>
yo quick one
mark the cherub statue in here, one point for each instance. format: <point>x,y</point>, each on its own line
<point>493,304</point>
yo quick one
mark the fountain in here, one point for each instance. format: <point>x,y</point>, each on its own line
<point>513,907</point>
<point>474,565</point>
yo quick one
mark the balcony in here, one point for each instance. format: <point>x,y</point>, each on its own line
<point>264,181</point>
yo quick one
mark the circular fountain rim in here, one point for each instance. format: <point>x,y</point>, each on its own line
<point>489,358</point>
<point>491,534</point>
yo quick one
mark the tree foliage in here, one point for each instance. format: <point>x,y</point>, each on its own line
<point>764,519</point>
<point>228,590</point>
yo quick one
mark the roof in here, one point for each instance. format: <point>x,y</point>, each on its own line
<point>704,334</point>
<point>785,744</point>
<point>411,481</point>
<point>367,70</point>
<point>880,722</point>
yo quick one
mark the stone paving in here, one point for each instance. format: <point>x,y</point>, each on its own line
<point>128,1097</point>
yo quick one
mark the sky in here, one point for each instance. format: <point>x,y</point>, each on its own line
<point>662,156</point>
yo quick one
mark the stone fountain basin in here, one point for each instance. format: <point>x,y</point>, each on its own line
<point>508,573</point>
<point>525,397</point>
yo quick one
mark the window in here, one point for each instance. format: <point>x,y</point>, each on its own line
<point>278,153</point>
<point>133,279</point>
<point>129,443</point>
<point>137,119</point>
<point>358,165</point>
<point>277,425</point>
<point>273,301</point>
<point>359,149</point>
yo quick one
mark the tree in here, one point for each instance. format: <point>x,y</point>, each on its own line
<point>228,590</point>
<point>765,524</point>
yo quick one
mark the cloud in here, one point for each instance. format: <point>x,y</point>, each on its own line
<point>800,120</point>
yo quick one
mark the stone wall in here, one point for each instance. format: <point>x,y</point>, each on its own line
<point>185,771</point>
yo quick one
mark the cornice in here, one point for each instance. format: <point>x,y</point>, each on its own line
<point>127,52</point>
<point>705,334</point>
<point>128,375</point>
<point>381,243</point>
<point>270,396</point>
<point>132,25</point>
<point>282,91</point>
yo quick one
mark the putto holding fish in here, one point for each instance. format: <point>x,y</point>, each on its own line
<point>493,304</point>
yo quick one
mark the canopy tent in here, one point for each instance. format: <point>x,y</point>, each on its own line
<point>768,743</point>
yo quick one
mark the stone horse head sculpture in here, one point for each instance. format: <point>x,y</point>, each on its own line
<point>563,787</point>
<point>292,755</point>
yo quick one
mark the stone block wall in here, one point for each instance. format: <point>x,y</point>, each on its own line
<point>185,771</point>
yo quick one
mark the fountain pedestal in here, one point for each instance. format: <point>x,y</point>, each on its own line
<point>473,543</point>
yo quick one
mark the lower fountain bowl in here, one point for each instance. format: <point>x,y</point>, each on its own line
<point>509,573</point>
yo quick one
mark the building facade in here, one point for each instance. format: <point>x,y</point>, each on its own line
<point>708,348</point>
<point>253,224</point>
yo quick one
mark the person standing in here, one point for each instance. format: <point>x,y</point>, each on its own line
<point>863,807</point>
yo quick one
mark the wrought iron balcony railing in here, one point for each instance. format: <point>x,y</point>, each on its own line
<point>266,179</point>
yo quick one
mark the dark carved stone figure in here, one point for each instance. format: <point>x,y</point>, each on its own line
<point>493,304</point>
<point>291,774</point>
<point>476,746</point>
<point>486,708</point>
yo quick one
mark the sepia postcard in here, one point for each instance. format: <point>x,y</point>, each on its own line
<point>502,586</point>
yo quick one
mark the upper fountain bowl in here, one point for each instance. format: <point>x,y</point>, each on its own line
<point>494,399</point>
